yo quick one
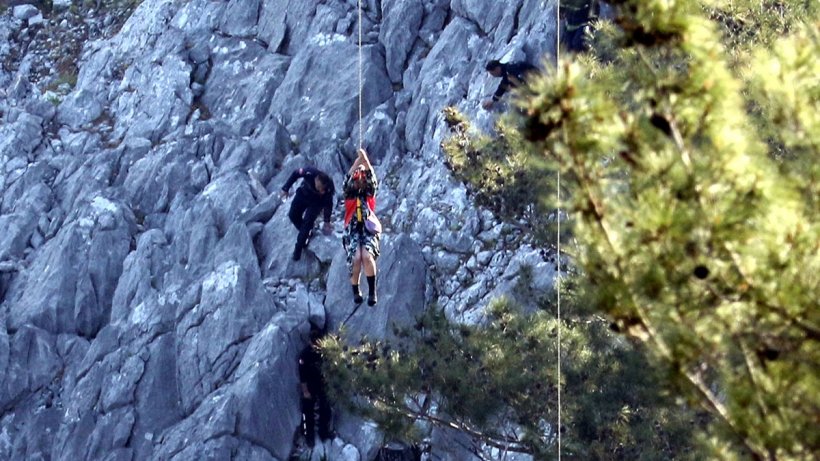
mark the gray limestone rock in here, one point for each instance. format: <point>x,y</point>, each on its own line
<point>242,80</point>
<point>240,17</point>
<point>156,396</point>
<point>74,276</point>
<point>129,390</point>
<point>41,108</point>
<point>138,286</point>
<point>31,360</point>
<point>62,4</point>
<point>20,137</point>
<point>153,180</point>
<point>321,111</point>
<point>197,18</point>
<point>19,229</point>
<point>539,272</point>
<point>380,137</point>
<point>399,31</point>
<point>440,82</point>
<point>144,33</point>
<point>401,281</point>
<point>213,334</point>
<point>149,306</point>
<point>30,367</point>
<point>259,407</point>
<point>25,12</point>
<point>283,24</point>
<point>25,204</point>
<point>36,20</point>
<point>79,108</point>
<point>161,104</point>
<point>486,14</point>
<point>264,210</point>
<point>271,143</point>
<point>229,196</point>
<point>363,434</point>
<point>198,43</point>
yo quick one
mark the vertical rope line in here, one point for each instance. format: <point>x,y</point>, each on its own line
<point>558,236</point>
<point>361,85</point>
<point>557,32</point>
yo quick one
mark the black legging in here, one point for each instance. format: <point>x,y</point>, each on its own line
<point>303,213</point>
<point>309,413</point>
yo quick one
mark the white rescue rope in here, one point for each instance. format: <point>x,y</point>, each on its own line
<point>558,237</point>
<point>361,84</point>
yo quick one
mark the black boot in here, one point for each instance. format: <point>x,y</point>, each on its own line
<point>372,299</point>
<point>357,295</point>
<point>297,252</point>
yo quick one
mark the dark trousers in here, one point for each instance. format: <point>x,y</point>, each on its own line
<point>309,417</point>
<point>576,40</point>
<point>303,213</point>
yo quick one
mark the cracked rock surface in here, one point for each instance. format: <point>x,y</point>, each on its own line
<point>149,307</point>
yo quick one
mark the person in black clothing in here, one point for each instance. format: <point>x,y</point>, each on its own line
<point>578,14</point>
<point>314,195</point>
<point>312,388</point>
<point>512,75</point>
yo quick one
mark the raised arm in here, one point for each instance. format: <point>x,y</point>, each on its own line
<point>364,160</point>
<point>371,173</point>
<point>502,88</point>
<point>355,165</point>
<point>297,173</point>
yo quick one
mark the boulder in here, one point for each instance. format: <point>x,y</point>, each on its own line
<point>399,31</point>
<point>61,5</point>
<point>25,12</point>
<point>31,362</point>
<point>321,111</point>
<point>283,24</point>
<point>241,83</point>
<point>240,17</point>
<point>73,278</point>
<point>260,408</point>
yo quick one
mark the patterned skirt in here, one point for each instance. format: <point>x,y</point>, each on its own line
<point>354,237</point>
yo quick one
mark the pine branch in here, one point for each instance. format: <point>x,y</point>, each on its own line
<point>757,451</point>
<point>723,412</point>
<point>597,216</point>
<point>494,440</point>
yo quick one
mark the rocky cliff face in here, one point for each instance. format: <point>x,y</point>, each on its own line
<point>149,308</point>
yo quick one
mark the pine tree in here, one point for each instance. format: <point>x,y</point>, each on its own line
<point>687,146</point>
<point>497,383</point>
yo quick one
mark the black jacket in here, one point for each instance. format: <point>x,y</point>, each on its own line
<point>579,13</point>
<point>519,70</point>
<point>310,371</point>
<point>308,189</point>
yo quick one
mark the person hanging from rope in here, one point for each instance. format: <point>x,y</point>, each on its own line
<point>362,227</point>
<point>578,14</point>
<point>312,389</point>
<point>512,75</point>
<point>314,195</point>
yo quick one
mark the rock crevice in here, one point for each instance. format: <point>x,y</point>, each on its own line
<point>149,306</point>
